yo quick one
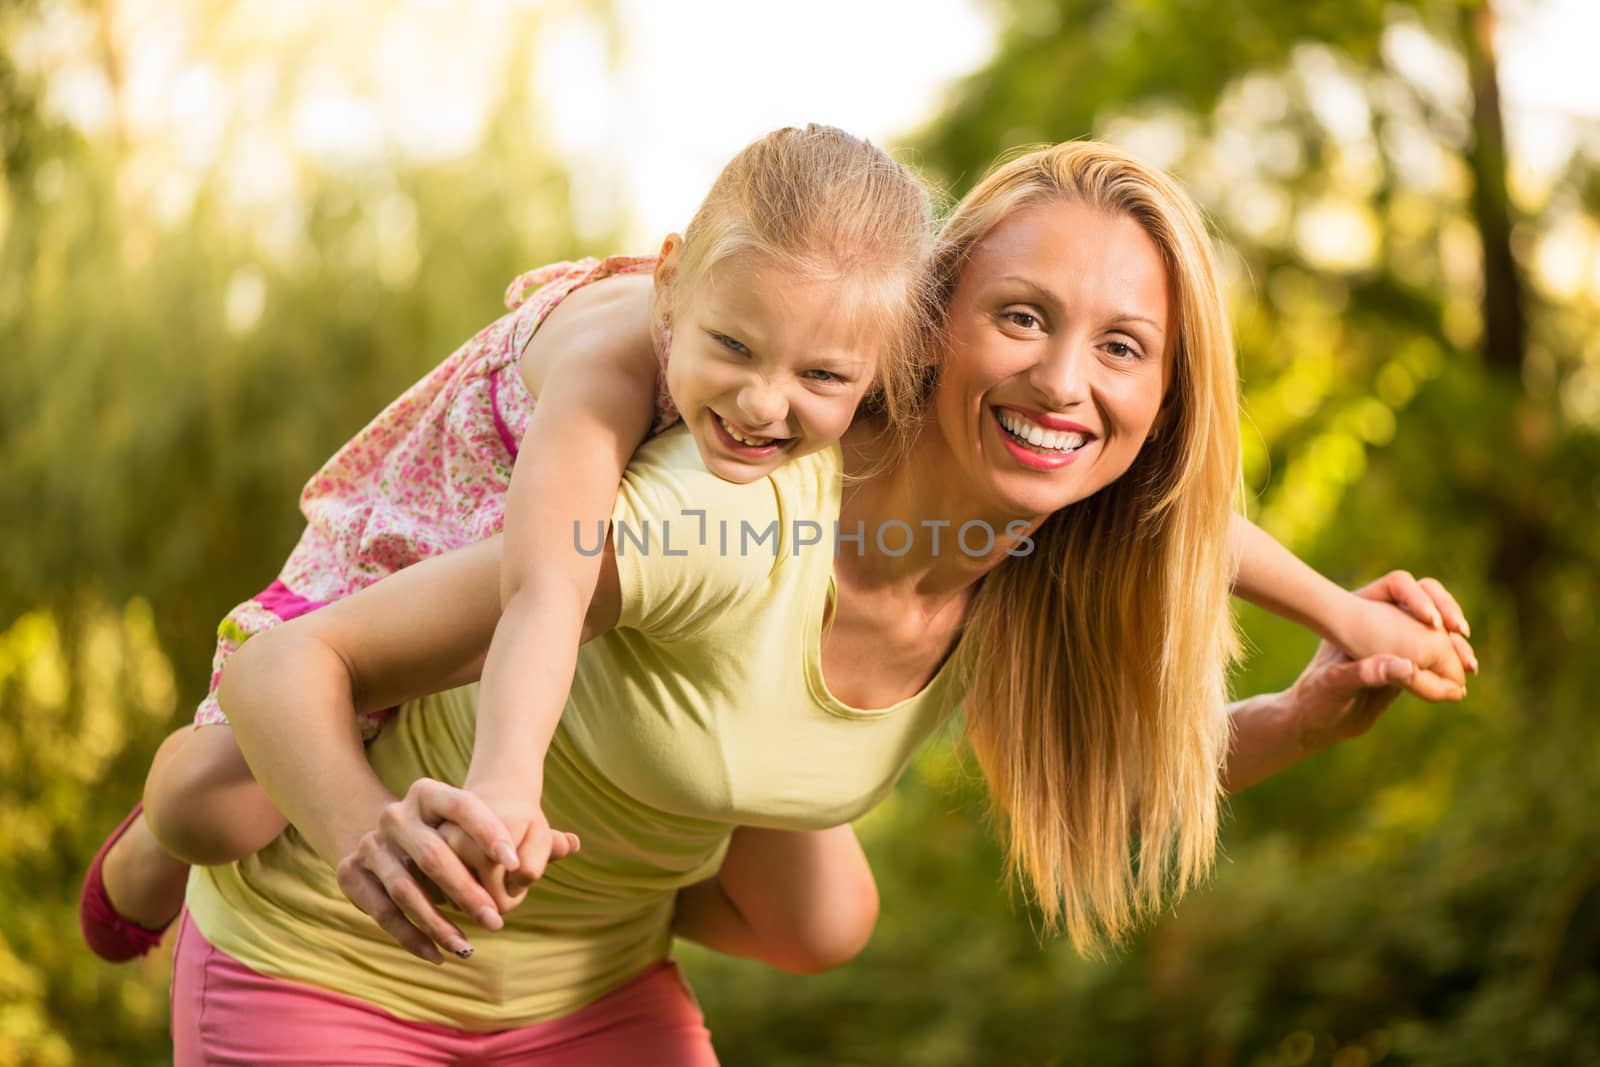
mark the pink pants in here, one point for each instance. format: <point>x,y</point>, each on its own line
<point>223,1013</point>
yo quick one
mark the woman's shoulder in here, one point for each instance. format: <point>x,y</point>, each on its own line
<point>688,543</point>
<point>668,468</point>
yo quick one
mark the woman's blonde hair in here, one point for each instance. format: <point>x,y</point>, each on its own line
<point>1099,662</point>
<point>825,205</point>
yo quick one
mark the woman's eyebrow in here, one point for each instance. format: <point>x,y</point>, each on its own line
<point>1128,316</point>
<point>1044,295</point>
<point>1032,286</point>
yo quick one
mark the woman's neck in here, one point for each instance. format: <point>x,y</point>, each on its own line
<point>914,504</point>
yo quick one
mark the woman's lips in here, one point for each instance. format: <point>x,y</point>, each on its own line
<point>1040,457</point>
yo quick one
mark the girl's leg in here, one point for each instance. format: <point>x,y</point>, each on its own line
<point>201,806</point>
<point>143,880</point>
<point>802,901</point>
<point>201,801</point>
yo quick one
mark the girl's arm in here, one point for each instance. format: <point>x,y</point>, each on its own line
<point>593,369</point>
<point>1334,699</point>
<point>292,695</point>
<point>1271,577</point>
<point>802,901</point>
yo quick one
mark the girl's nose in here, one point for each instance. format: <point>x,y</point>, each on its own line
<point>761,404</point>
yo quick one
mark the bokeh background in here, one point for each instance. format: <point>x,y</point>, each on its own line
<point>230,233</point>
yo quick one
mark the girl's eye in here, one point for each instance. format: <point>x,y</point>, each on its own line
<point>730,344</point>
<point>822,376</point>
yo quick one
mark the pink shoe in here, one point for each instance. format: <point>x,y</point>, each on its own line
<point>108,935</point>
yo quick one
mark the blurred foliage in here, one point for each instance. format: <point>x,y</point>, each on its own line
<point>175,365</point>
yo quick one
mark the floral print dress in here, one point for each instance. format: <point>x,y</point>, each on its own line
<point>428,475</point>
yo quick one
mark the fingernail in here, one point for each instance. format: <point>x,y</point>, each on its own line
<point>489,918</point>
<point>1466,628</point>
<point>1438,621</point>
<point>464,951</point>
<point>506,855</point>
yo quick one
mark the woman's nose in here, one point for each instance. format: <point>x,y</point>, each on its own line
<point>1062,376</point>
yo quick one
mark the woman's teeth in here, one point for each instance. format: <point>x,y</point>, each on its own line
<point>754,442</point>
<point>1031,433</point>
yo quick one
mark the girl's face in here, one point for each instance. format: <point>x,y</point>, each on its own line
<point>765,365</point>
<point>1058,352</point>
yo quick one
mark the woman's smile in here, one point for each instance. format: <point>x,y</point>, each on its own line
<point>1041,442</point>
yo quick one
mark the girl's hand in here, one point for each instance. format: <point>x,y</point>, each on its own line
<point>1417,621</point>
<point>1338,697</point>
<point>535,843</point>
<point>399,871</point>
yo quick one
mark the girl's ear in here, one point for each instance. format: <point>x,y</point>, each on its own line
<point>667,265</point>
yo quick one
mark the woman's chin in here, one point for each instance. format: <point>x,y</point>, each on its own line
<point>1032,495</point>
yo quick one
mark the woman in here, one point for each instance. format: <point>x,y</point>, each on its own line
<point>1079,460</point>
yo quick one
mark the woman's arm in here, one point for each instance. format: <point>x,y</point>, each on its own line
<point>1334,699</point>
<point>292,695</point>
<point>1411,621</point>
<point>593,369</point>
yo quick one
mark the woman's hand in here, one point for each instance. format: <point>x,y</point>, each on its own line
<point>1418,621</point>
<point>437,843</point>
<point>1337,697</point>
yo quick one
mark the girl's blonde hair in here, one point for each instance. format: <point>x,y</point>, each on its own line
<point>825,205</point>
<point>1099,662</point>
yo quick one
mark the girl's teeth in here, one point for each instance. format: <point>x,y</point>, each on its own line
<point>1038,436</point>
<point>756,442</point>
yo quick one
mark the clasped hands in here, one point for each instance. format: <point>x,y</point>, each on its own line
<point>480,849</point>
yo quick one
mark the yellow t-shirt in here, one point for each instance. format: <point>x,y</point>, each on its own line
<point>703,710</point>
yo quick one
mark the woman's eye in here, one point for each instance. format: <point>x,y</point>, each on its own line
<point>1024,319</point>
<point>730,344</point>
<point>1122,350</point>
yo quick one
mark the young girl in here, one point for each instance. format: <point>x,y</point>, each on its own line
<point>793,295</point>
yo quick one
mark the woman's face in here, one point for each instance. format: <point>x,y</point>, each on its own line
<point>1058,353</point>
